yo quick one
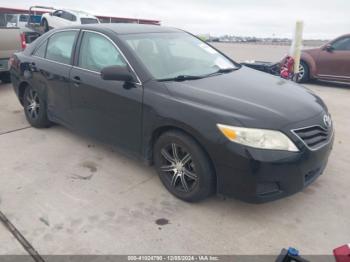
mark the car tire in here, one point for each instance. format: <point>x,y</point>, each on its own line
<point>45,25</point>
<point>304,72</point>
<point>183,167</point>
<point>35,108</point>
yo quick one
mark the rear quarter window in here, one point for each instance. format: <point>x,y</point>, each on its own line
<point>40,52</point>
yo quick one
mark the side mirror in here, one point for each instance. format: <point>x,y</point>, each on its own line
<point>117,73</point>
<point>329,48</point>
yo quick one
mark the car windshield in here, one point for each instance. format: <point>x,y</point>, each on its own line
<point>177,55</point>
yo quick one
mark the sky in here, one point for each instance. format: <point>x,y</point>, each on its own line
<point>261,18</point>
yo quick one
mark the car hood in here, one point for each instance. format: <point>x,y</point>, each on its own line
<point>250,97</point>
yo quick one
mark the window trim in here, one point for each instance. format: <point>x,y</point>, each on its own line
<point>48,38</point>
<point>114,44</point>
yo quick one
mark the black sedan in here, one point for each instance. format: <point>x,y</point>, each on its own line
<point>208,124</point>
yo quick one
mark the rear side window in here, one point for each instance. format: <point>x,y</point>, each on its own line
<point>342,44</point>
<point>40,52</point>
<point>97,52</point>
<point>60,47</point>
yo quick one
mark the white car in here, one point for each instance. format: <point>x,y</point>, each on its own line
<point>60,18</point>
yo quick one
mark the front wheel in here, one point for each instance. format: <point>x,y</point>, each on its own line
<point>303,75</point>
<point>35,108</point>
<point>45,25</point>
<point>183,167</point>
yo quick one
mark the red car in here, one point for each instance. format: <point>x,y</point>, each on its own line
<point>329,62</point>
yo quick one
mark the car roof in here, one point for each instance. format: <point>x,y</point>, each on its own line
<point>128,28</point>
<point>79,13</point>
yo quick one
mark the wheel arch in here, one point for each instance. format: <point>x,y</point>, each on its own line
<point>21,88</point>
<point>310,62</point>
<point>44,17</point>
<point>157,132</point>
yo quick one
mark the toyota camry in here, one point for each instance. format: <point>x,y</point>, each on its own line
<point>208,124</point>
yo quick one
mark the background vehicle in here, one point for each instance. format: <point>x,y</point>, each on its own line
<point>12,40</point>
<point>60,18</point>
<point>18,20</point>
<point>330,62</point>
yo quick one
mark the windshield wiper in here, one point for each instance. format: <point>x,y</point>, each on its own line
<point>222,71</point>
<point>191,77</point>
<point>181,78</point>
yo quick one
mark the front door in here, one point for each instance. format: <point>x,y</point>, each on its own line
<point>334,62</point>
<point>108,110</point>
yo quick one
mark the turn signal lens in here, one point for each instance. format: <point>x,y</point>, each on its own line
<point>228,132</point>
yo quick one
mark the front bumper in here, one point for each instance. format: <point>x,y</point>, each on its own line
<point>257,176</point>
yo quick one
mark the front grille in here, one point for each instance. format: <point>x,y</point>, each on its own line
<point>314,136</point>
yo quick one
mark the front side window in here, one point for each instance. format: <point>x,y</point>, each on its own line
<point>58,13</point>
<point>60,47</point>
<point>97,52</point>
<point>168,55</point>
<point>342,44</point>
<point>68,16</point>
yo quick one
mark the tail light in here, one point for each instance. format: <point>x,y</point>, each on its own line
<point>23,41</point>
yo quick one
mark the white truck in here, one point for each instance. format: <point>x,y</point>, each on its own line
<point>18,20</point>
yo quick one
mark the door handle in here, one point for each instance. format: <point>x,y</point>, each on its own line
<point>76,80</point>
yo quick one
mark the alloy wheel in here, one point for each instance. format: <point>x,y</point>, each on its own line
<point>178,168</point>
<point>33,104</point>
<point>301,72</point>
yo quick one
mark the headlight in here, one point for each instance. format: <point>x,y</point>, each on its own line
<point>258,138</point>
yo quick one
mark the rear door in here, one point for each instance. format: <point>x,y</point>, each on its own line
<point>108,110</point>
<point>335,63</point>
<point>52,62</point>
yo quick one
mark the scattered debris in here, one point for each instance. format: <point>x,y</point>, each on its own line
<point>45,221</point>
<point>162,221</point>
<point>75,176</point>
<point>90,165</point>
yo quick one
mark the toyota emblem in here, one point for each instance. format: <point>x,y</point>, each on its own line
<point>327,121</point>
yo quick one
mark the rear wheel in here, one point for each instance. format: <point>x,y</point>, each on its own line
<point>35,108</point>
<point>183,167</point>
<point>303,75</point>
